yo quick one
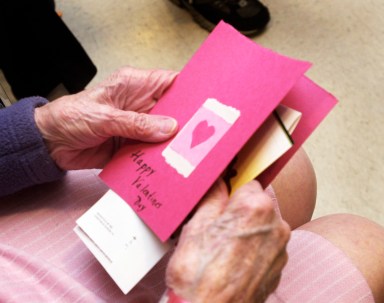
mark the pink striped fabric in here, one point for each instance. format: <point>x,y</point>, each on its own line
<point>318,272</point>
<point>42,260</point>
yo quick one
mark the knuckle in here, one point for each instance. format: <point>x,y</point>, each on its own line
<point>283,232</point>
<point>264,205</point>
<point>142,125</point>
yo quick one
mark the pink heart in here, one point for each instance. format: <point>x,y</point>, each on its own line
<point>202,133</point>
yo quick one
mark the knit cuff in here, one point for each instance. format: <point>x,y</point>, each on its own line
<point>24,157</point>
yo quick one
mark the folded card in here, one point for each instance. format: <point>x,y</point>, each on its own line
<point>120,241</point>
<point>221,97</point>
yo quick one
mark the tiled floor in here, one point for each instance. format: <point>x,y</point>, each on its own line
<point>344,39</point>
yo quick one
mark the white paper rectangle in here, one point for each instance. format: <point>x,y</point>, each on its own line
<point>120,241</point>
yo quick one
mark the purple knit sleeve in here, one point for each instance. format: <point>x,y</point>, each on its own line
<point>24,158</point>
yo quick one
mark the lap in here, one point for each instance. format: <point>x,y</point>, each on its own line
<point>38,222</point>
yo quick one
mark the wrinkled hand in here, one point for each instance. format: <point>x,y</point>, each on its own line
<point>82,130</point>
<point>232,250</point>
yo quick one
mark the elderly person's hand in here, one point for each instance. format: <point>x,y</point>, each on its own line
<point>232,250</point>
<point>85,129</point>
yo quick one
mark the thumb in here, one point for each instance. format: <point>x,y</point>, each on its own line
<point>141,126</point>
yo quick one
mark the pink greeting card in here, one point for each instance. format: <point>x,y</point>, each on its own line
<point>221,97</point>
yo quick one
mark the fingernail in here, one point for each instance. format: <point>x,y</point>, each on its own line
<point>168,125</point>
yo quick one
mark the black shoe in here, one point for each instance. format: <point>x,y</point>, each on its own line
<point>249,17</point>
